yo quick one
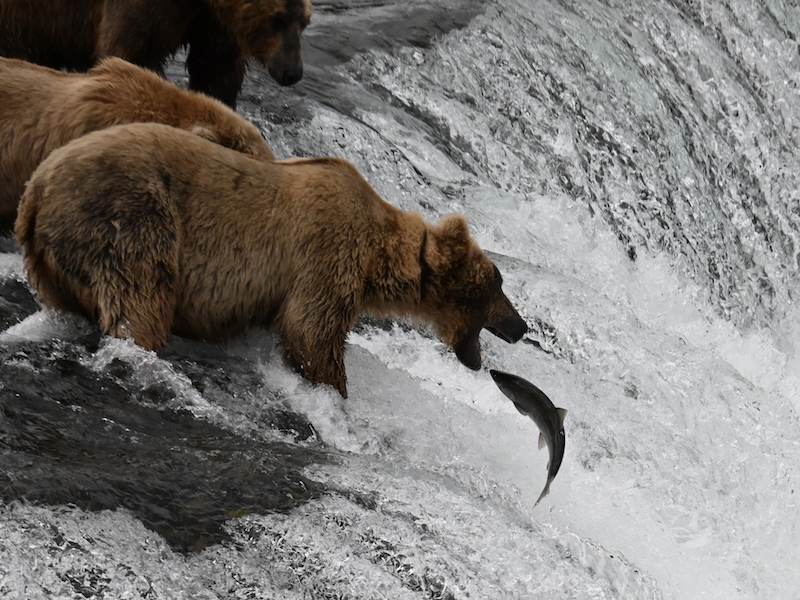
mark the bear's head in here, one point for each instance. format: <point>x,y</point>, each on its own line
<point>270,31</point>
<point>461,292</point>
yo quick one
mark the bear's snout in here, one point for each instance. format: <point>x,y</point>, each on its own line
<point>288,75</point>
<point>286,66</point>
<point>509,330</point>
<point>504,322</point>
<point>501,319</point>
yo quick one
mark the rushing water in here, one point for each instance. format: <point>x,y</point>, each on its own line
<point>632,168</point>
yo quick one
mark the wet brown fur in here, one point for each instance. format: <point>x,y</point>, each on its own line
<point>42,109</point>
<point>148,229</point>
<point>221,35</point>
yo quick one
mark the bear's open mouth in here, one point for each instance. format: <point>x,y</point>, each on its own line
<point>499,334</point>
<point>509,329</point>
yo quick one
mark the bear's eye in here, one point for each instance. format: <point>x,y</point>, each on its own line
<point>280,21</point>
<point>497,284</point>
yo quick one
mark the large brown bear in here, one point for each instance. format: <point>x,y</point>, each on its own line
<point>149,229</point>
<point>42,109</point>
<point>221,36</point>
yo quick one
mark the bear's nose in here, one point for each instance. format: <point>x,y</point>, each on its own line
<point>291,75</point>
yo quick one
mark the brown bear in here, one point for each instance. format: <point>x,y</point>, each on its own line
<point>221,36</point>
<point>148,229</point>
<point>42,109</point>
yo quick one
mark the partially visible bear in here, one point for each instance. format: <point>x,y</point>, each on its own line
<point>42,109</point>
<point>148,229</point>
<point>221,36</point>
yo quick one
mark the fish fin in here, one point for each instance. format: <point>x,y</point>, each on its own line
<point>520,410</point>
<point>542,442</point>
<point>562,413</point>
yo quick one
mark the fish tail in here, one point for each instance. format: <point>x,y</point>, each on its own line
<point>544,493</point>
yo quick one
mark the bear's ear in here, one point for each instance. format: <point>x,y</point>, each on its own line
<point>454,228</point>
<point>448,244</point>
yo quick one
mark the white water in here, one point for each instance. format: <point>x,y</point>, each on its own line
<point>574,137</point>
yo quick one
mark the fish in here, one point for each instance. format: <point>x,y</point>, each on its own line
<point>529,400</point>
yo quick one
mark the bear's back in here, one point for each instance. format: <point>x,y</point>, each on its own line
<point>205,177</point>
<point>55,33</point>
<point>134,156</point>
<point>23,83</point>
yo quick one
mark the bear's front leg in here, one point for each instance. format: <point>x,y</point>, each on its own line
<point>215,63</point>
<point>315,349</point>
<point>317,364</point>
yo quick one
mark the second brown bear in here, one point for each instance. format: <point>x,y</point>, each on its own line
<point>149,229</point>
<point>42,109</point>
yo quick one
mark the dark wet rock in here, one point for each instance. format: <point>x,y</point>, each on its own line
<point>224,378</point>
<point>341,30</point>
<point>7,242</point>
<point>16,302</point>
<point>70,435</point>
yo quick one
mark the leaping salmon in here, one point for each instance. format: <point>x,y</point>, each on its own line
<point>532,402</point>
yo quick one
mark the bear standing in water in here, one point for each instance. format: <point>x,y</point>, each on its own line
<point>42,109</point>
<point>149,229</point>
<point>221,36</point>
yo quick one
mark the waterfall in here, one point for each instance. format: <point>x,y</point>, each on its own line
<point>632,169</point>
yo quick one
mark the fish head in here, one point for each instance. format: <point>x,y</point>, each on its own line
<point>532,402</point>
<point>511,386</point>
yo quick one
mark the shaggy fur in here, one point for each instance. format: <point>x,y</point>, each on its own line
<point>148,229</point>
<point>221,36</point>
<point>42,109</point>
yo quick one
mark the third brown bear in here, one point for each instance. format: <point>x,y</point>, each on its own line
<point>149,230</point>
<point>221,35</point>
